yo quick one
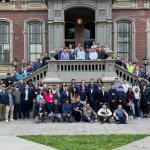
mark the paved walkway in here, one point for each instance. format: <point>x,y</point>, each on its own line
<point>9,131</point>
<point>15,143</point>
<point>143,144</point>
<point>27,127</point>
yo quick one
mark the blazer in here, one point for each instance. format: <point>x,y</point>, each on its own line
<point>7,99</point>
<point>103,98</point>
<point>30,96</point>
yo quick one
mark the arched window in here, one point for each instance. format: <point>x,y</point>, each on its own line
<point>124,39</point>
<point>4,42</point>
<point>35,44</point>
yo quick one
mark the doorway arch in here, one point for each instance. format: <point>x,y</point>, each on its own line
<point>79,26</point>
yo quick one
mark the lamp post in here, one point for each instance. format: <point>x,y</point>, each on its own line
<point>145,63</point>
<point>15,63</point>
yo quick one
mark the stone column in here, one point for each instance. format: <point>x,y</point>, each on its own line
<point>55,24</point>
<point>103,22</point>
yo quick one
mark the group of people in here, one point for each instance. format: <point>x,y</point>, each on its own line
<point>75,102</point>
<point>79,53</point>
<point>26,69</point>
<point>133,67</point>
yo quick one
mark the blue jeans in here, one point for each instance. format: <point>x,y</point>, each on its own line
<point>89,118</point>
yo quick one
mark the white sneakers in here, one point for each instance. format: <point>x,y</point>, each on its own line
<point>10,120</point>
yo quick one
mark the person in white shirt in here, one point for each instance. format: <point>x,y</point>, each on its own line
<point>104,114</point>
<point>137,96</point>
<point>93,54</point>
<point>81,54</point>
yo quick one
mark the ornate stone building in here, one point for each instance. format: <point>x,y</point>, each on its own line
<point>30,27</point>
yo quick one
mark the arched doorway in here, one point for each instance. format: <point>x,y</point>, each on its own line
<point>79,26</point>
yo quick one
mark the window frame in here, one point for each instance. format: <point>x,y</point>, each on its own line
<point>35,43</point>
<point>129,42</point>
<point>5,55</point>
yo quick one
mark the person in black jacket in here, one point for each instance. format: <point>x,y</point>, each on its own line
<point>103,97</point>
<point>92,99</point>
<point>26,101</point>
<point>55,111</point>
<point>65,95</point>
<point>121,97</point>
<point>9,103</point>
<point>45,59</point>
<point>145,96</point>
<point>113,95</point>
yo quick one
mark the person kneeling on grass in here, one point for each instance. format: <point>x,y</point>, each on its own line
<point>67,111</point>
<point>88,114</point>
<point>40,111</point>
<point>55,111</point>
<point>120,115</point>
<point>104,114</point>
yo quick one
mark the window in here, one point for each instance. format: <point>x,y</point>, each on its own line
<point>89,34</point>
<point>35,40</point>
<point>70,34</point>
<point>4,42</point>
<point>124,39</point>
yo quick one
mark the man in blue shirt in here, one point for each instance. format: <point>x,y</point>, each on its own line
<point>120,115</point>
<point>67,110</point>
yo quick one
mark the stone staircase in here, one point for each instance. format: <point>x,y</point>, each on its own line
<point>60,71</point>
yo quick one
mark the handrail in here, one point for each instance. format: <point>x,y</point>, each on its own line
<point>37,75</point>
<point>125,74</point>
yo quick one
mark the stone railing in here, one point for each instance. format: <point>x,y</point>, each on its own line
<point>38,75</point>
<point>64,71</point>
<point>125,75</point>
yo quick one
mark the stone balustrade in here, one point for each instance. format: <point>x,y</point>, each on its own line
<point>65,70</point>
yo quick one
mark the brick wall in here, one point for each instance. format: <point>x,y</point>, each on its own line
<point>18,18</point>
<point>140,17</point>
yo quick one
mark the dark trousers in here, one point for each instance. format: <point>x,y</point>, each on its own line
<point>77,115</point>
<point>122,120</point>
<point>137,108</point>
<point>17,111</point>
<point>113,106</point>
<point>26,109</point>
<point>104,119</point>
<point>48,108</point>
<point>67,117</point>
<point>145,110</point>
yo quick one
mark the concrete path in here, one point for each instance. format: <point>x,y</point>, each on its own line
<point>143,144</point>
<point>28,127</point>
<point>9,131</point>
<point>15,143</point>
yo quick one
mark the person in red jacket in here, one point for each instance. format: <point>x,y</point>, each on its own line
<point>49,99</point>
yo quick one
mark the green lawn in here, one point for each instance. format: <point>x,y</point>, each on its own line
<point>84,142</point>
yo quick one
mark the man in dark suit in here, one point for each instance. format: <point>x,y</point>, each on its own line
<point>26,101</point>
<point>58,95</point>
<point>92,94</point>
<point>73,85</point>
<point>65,95</point>
<point>103,96</point>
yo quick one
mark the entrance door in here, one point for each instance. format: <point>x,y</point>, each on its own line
<point>79,27</point>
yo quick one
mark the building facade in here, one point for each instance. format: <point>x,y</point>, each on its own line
<point>30,27</point>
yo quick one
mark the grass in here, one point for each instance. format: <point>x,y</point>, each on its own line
<point>84,142</point>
